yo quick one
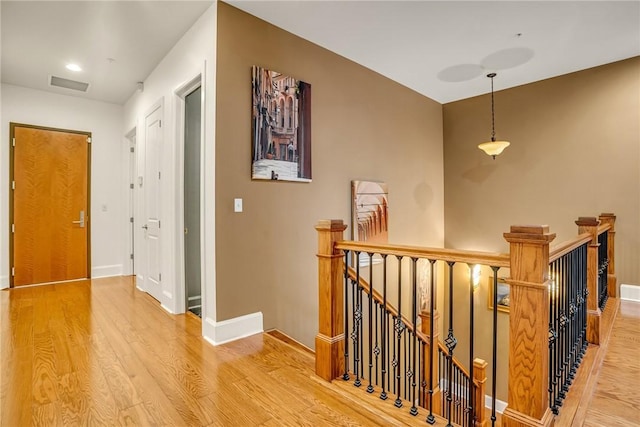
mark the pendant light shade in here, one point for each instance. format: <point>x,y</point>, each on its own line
<point>493,147</point>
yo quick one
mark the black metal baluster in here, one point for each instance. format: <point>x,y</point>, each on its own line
<point>422,392</point>
<point>357,317</point>
<point>552,337</point>
<point>455,393</point>
<point>407,363</point>
<point>563,328</point>
<point>442,368</point>
<point>414,303</point>
<point>573,307</point>
<point>376,346</point>
<point>361,326</point>
<point>345,376</point>
<point>450,341</point>
<point>566,335</point>
<point>433,346</point>
<point>399,327</point>
<point>585,293</point>
<point>494,344</point>
<point>558,331</point>
<point>471,343</point>
<point>391,342</point>
<point>457,398</point>
<point>603,269</point>
<point>385,328</point>
<point>370,386</point>
<point>561,333</point>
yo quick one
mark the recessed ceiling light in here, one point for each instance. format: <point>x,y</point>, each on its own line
<point>74,67</point>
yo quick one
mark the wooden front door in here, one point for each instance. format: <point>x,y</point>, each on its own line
<point>49,205</point>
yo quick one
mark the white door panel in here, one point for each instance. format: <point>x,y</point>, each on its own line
<point>153,128</point>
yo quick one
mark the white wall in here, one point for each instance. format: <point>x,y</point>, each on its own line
<point>104,121</point>
<point>194,54</point>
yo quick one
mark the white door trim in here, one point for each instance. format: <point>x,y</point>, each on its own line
<point>130,175</point>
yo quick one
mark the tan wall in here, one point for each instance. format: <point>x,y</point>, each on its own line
<point>364,126</point>
<point>575,151</point>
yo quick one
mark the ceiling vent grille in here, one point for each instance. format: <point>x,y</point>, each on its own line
<point>68,84</point>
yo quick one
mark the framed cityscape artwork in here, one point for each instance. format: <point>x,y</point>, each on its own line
<point>281,127</point>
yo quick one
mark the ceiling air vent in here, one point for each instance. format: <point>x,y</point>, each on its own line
<point>68,84</point>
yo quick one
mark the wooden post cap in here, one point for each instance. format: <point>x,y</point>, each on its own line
<point>608,218</point>
<point>587,221</point>
<point>331,225</point>
<point>533,233</point>
<point>530,229</point>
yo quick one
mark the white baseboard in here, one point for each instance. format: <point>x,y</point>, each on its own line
<point>233,329</point>
<point>630,292</point>
<point>500,405</point>
<point>106,271</point>
<point>4,282</point>
<point>167,309</point>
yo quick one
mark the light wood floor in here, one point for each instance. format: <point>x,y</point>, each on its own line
<point>101,352</point>
<point>616,400</point>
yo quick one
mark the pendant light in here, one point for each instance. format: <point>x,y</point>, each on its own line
<point>493,147</point>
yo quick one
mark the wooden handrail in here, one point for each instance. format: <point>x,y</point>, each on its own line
<point>603,227</point>
<point>449,255</point>
<point>564,248</point>
<point>456,362</point>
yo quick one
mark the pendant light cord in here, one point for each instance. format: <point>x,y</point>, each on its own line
<point>493,120</point>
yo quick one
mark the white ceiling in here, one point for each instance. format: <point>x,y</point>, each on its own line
<point>40,37</point>
<point>442,50</point>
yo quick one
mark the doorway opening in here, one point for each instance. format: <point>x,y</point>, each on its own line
<point>192,205</point>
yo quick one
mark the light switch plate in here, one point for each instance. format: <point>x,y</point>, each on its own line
<point>237,205</point>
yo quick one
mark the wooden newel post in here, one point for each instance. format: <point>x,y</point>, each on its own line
<point>425,328</point>
<point>480,379</point>
<point>590,225</point>
<point>528,396</point>
<point>330,338</point>
<point>612,281</point>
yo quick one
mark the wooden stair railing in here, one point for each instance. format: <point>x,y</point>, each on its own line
<point>529,261</point>
<point>480,374</point>
<point>336,329</point>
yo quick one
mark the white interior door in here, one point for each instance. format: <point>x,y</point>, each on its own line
<point>153,150</point>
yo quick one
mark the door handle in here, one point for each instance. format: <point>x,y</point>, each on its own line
<point>146,227</point>
<point>80,221</point>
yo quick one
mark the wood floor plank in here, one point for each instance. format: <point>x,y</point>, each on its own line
<point>45,415</point>
<point>16,391</point>
<point>44,376</point>
<point>135,416</point>
<point>156,403</point>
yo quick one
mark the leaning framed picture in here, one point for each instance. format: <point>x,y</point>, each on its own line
<point>369,216</point>
<point>280,127</point>
<point>504,295</point>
